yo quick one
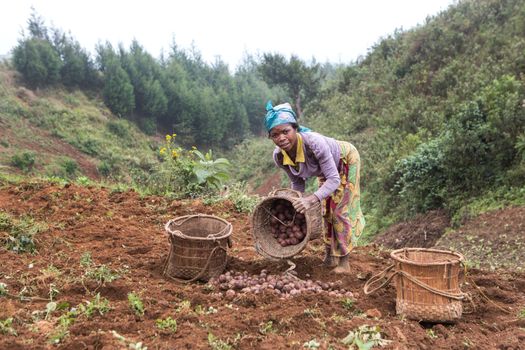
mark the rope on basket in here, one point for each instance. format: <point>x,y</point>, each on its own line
<point>200,274</point>
<point>379,276</point>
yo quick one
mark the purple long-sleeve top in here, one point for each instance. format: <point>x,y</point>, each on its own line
<point>322,156</point>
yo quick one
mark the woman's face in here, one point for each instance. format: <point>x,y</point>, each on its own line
<point>284,136</point>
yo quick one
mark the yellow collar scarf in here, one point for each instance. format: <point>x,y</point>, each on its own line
<point>299,157</point>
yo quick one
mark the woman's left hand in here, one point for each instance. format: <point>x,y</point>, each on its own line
<point>305,203</point>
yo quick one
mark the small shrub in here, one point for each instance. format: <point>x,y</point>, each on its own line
<point>167,324</point>
<point>119,128</point>
<point>365,337</point>
<point>23,161</point>
<point>217,344</point>
<point>97,305</point>
<point>6,327</point>
<point>136,304</point>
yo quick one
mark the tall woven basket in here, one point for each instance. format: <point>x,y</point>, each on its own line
<point>198,249</point>
<point>265,243</point>
<point>427,284</point>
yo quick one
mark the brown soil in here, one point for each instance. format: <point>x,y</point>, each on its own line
<point>125,232</point>
<point>423,231</point>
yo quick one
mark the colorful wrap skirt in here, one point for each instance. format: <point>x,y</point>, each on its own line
<point>343,220</point>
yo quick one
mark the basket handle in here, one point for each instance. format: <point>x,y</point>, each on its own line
<point>200,274</point>
<point>382,274</point>
<point>288,191</point>
<point>375,279</point>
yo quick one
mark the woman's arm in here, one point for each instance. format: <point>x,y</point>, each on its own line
<point>328,168</point>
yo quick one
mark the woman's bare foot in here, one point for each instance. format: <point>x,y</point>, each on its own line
<point>343,266</point>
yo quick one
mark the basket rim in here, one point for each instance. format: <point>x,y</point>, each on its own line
<point>285,252</point>
<point>178,233</point>
<point>459,258</point>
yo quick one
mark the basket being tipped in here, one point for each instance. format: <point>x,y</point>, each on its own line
<point>278,230</point>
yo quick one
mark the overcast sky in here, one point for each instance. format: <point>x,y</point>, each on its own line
<point>331,30</point>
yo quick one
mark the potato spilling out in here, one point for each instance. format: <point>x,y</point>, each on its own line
<point>287,226</point>
<point>232,283</point>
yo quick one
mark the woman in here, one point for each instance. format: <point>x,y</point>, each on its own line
<point>303,154</point>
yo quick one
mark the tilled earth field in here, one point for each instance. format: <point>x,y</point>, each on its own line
<point>99,246</point>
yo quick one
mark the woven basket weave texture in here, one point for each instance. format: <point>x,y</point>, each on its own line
<point>265,243</point>
<point>198,248</point>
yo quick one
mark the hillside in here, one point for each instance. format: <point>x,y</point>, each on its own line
<point>56,132</point>
<point>95,241</point>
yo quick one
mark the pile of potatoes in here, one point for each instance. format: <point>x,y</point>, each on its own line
<point>233,283</point>
<point>287,226</point>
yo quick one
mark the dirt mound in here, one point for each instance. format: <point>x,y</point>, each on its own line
<point>124,234</point>
<point>422,232</point>
<point>493,240</point>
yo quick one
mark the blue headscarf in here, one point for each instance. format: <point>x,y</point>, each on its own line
<point>280,114</point>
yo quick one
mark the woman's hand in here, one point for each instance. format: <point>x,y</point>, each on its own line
<point>305,203</point>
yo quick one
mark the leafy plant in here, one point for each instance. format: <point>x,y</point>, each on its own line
<point>3,289</point>
<point>217,344</point>
<point>20,232</point>
<point>267,327</point>
<point>96,305</point>
<point>312,344</point>
<point>23,161</point>
<point>136,304</point>
<point>348,303</point>
<point>168,324</point>
<point>6,326</point>
<point>364,338</point>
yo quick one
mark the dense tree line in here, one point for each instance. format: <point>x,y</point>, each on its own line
<point>203,103</point>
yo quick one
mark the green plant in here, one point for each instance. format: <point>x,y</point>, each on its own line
<point>168,324</point>
<point>431,334</point>
<point>96,305</point>
<point>348,303</point>
<point>365,337</point>
<point>6,326</point>
<point>312,344</point>
<point>86,260</point>
<point>3,289</point>
<point>521,313</point>
<point>21,232</point>
<point>102,274</point>
<point>217,344</point>
<point>136,304</point>
<point>188,172</point>
<point>23,161</point>
<point>265,328</point>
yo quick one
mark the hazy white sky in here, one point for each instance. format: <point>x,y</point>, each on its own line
<point>330,30</point>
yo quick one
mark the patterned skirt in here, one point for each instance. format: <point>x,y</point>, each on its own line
<point>343,220</point>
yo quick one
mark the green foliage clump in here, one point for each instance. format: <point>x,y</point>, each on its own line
<point>23,161</point>
<point>135,303</point>
<point>187,172</point>
<point>20,233</point>
<point>167,324</point>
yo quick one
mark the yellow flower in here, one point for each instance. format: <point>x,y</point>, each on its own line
<point>174,135</point>
<point>168,138</point>
<point>174,154</point>
<point>162,150</point>
<point>194,148</point>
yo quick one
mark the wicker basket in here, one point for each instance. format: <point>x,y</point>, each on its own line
<point>198,247</point>
<point>265,243</point>
<point>427,284</point>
